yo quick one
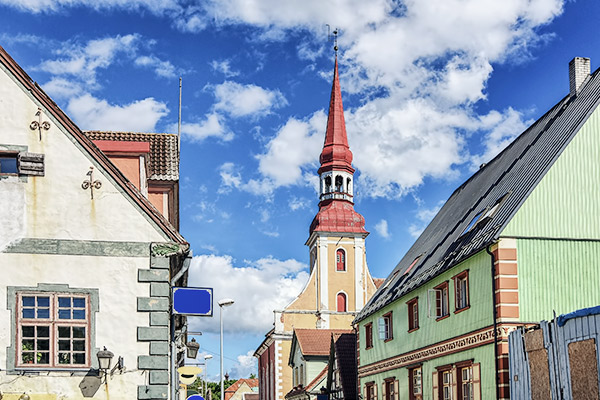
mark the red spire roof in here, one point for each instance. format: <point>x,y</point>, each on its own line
<point>337,214</point>
<point>336,154</point>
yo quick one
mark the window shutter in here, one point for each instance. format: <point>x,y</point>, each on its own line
<point>454,383</point>
<point>476,382</point>
<point>30,164</point>
<point>382,328</point>
<point>375,392</point>
<point>383,391</point>
<point>396,396</point>
<point>435,383</point>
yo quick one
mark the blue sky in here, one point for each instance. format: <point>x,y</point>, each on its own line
<point>431,90</point>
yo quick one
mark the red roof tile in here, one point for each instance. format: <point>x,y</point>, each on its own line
<point>164,156</point>
<point>338,216</point>
<point>316,342</point>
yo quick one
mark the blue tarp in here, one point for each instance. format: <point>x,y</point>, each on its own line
<point>562,319</point>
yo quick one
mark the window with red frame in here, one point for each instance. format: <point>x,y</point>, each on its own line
<point>340,260</point>
<point>369,335</point>
<point>441,301</point>
<point>415,384</point>
<point>413,314</point>
<point>53,330</point>
<point>461,291</point>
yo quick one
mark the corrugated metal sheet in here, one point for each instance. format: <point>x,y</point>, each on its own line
<point>515,171</point>
<point>556,341</point>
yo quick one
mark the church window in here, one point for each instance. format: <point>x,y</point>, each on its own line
<point>341,302</point>
<point>327,184</point>
<point>339,184</point>
<point>340,260</point>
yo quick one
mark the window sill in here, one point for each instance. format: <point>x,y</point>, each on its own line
<point>368,348</point>
<point>462,309</point>
<point>442,317</point>
<point>388,340</point>
<point>413,329</point>
<point>82,371</point>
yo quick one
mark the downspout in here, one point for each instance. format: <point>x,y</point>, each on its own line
<point>185,266</point>
<point>493,269</point>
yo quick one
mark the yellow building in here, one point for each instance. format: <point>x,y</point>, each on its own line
<point>340,283</point>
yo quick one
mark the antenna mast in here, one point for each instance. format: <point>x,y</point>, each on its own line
<point>179,122</point>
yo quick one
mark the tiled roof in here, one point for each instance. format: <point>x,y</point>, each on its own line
<point>378,282</point>
<point>164,157</point>
<point>345,352</point>
<point>509,177</point>
<point>230,391</point>
<point>338,216</point>
<point>316,342</point>
<point>73,130</point>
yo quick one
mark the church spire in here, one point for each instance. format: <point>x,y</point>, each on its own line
<point>336,175</point>
<point>336,154</point>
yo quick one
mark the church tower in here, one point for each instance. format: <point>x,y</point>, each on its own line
<point>340,283</point>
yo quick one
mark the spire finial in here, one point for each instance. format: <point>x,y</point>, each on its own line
<point>335,35</point>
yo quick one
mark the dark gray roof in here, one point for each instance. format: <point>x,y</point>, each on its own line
<point>509,177</point>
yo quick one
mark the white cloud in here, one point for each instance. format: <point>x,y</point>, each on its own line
<point>279,163</point>
<point>161,68</point>
<point>230,177</point>
<point>82,61</point>
<point>382,229</point>
<point>92,113</point>
<point>224,67</point>
<point>239,100</point>
<point>502,130</point>
<point>211,126</point>
<point>296,203</point>
<point>424,216</point>
<point>246,365</point>
<point>258,288</point>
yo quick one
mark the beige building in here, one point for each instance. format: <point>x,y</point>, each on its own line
<point>340,283</point>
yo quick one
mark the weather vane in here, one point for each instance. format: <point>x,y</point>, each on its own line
<point>335,36</point>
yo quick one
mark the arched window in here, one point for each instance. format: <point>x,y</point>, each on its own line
<point>340,260</point>
<point>341,302</point>
<point>327,184</point>
<point>339,184</point>
<point>348,183</point>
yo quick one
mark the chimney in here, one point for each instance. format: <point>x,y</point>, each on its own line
<point>579,70</point>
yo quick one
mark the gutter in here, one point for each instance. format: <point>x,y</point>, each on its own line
<point>493,270</point>
<point>182,256</point>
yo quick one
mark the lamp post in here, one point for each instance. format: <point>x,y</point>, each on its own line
<point>206,358</point>
<point>104,359</point>
<point>223,303</point>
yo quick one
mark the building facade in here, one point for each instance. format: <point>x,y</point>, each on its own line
<point>87,260</point>
<point>340,283</point>
<point>515,243</point>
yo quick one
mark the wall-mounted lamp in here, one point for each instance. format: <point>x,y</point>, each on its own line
<point>192,348</point>
<point>24,396</point>
<point>104,359</point>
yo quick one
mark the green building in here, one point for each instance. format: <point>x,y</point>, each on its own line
<point>519,240</point>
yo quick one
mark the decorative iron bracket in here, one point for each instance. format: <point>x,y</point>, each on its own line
<point>90,183</point>
<point>39,125</point>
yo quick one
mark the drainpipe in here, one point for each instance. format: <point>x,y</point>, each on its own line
<point>495,317</point>
<point>185,266</point>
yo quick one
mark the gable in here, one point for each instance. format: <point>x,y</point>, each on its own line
<point>565,202</point>
<point>56,205</point>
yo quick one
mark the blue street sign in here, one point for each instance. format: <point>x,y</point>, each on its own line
<point>195,397</point>
<point>193,301</point>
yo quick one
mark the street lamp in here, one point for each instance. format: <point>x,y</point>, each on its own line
<point>206,358</point>
<point>223,303</point>
<point>192,348</point>
<point>104,359</point>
